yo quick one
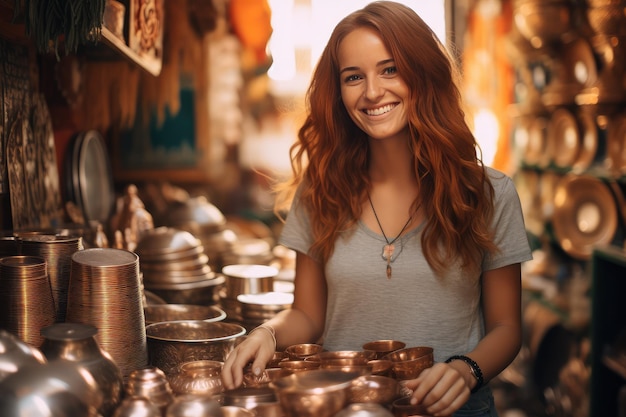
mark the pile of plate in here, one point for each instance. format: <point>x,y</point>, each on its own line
<point>176,268</point>
<point>105,292</point>
<point>26,303</point>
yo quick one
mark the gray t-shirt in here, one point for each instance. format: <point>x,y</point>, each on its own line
<point>414,306</point>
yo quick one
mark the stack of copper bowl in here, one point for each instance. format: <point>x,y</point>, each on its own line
<point>175,267</point>
<point>204,220</point>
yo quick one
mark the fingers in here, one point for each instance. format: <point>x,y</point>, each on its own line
<point>232,371</point>
<point>256,349</point>
<point>441,389</point>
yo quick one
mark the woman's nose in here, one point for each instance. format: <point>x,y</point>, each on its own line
<point>374,89</point>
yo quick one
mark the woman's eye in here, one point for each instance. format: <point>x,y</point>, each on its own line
<point>390,70</point>
<point>351,78</point>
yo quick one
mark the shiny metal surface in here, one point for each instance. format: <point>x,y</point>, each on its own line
<point>173,343</point>
<point>76,343</point>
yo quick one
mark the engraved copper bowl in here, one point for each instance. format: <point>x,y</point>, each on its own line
<point>384,347</point>
<point>319,393</point>
<point>374,389</point>
<point>173,343</point>
<point>409,362</point>
<point>198,377</point>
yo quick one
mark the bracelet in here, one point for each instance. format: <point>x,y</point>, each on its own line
<point>474,369</point>
<point>269,329</point>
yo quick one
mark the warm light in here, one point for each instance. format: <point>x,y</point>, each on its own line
<point>487,132</point>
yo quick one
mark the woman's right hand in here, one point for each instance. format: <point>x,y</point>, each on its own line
<point>258,348</point>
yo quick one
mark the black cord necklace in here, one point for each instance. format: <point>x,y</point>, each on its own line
<point>389,248</point>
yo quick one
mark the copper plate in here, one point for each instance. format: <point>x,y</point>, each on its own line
<point>563,137</point>
<point>585,215</point>
<point>616,145</point>
<point>589,142</point>
<point>535,152</point>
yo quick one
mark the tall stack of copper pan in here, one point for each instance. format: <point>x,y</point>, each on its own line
<point>57,251</point>
<point>105,292</point>
<point>26,303</point>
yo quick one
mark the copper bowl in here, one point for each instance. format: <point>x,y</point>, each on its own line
<point>267,376</point>
<point>174,312</point>
<point>384,347</point>
<point>360,365</point>
<point>172,343</point>
<point>402,407</point>
<point>248,397</point>
<point>381,367</point>
<point>165,241</point>
<point>198,377</point>
<point>319,393</point>
<point>203,292</point>
<point>374,389</point>
<point>298,365</point>
<point>409,362</point>
<point>303,350</point>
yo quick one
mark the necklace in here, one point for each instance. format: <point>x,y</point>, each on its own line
<point>388,248</point>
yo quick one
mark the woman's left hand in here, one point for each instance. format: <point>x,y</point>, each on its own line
<point>442,388</point>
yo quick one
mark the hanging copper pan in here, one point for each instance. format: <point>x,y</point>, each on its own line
<point>585,215</point>
<point>616,145</point>
<point>563,138</point>
<point>589,142</point>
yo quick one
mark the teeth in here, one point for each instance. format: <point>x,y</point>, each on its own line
<point>380,110</point>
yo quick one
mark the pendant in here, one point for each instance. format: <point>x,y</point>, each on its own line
<point>387,255</point>
<point>388,252</point>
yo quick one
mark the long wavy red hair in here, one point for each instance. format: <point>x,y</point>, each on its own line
<point>330,157</point>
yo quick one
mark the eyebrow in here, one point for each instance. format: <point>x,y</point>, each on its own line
<point>378,64</point>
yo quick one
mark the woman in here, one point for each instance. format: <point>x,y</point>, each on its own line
<point>400,231</point>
